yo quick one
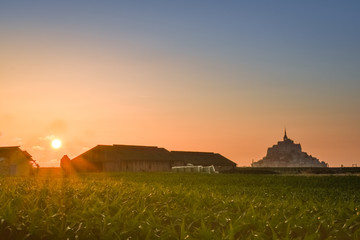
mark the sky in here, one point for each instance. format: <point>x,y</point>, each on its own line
<point>217,76</point>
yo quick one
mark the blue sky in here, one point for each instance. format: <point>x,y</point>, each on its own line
<point>248,68</point>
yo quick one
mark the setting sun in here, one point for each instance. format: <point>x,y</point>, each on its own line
<point>56,143</point>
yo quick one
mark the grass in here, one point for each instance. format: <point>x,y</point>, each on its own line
<point>180,206</point>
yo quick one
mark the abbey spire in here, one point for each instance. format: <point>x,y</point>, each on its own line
<point>285,136</point>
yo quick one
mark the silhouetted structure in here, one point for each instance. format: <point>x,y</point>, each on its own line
<point>15,162</point>
<point>65,164</point>
<point>221,163</point>
<point>111,158</point>
<point>288,154</point>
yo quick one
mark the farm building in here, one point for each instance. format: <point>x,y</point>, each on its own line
<point>221,163</point>
<point>15,162</point>
<point>113,158</point>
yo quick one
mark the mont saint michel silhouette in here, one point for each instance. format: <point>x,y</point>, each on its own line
<point>286,153</point>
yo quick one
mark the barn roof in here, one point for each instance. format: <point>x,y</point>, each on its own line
<point>104,153</point>
<point>28,155</point>
<point>11,150</point>
<point>202,158</point>
<point>116,152</point>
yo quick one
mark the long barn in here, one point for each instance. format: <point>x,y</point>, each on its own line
<point>113,158</point>
<point>130,158</point>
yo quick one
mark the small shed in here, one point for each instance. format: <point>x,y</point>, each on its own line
<point>15,162</point>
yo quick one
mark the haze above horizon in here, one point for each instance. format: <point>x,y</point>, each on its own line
<point>215,76</point>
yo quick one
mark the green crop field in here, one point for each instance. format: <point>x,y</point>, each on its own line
<point>180,206</point>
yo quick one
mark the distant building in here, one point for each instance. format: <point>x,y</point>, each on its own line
<point>113,158</point>
<point>221,163</point>
<point>15,162</point>
<point>288,154</point>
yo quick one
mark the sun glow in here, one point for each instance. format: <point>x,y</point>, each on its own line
<point>56,143</point>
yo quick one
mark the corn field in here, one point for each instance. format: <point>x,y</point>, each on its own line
<point>180,206</point>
